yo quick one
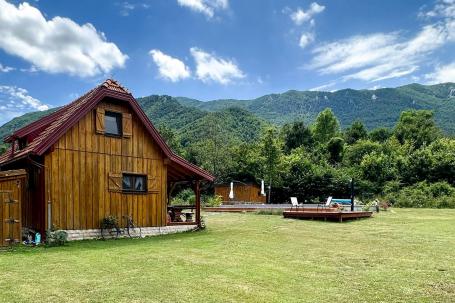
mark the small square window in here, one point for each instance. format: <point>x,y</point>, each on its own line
<point>134,183</point>
<point>113,123</point>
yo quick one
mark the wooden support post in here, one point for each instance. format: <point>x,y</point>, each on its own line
<point>197,193</point>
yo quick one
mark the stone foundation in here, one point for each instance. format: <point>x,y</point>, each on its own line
<point>86,234</point>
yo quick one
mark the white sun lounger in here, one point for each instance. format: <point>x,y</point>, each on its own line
<point>294,203</point>
<point>327,203</point>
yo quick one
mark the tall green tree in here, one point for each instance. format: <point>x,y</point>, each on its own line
<point>271,153</point>
<point>380,134</point>
<point>326,126</point>
<point>296,135</point>
<point>335,147</point>
<point>172,139</point>
<point>418,127</point>
<point>355,132</point>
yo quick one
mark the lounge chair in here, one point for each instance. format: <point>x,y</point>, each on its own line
<point>295,203</point>
<point>326,205</point>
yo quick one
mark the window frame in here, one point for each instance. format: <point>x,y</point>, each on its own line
<point>119,119</point>
<point>133,177</point>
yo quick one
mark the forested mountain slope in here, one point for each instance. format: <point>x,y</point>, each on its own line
<point>380,107</point>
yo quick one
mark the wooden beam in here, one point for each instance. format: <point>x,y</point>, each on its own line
<point>197,193</point>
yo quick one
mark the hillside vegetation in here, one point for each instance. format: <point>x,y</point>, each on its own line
<point>375,108</point>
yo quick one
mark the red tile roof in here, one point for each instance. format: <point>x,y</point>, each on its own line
<point>47,130</point>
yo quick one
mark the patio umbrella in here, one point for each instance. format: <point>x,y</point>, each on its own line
<point>231,193</point>
<point>262,188</point>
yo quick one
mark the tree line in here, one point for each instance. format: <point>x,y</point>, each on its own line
<point>410,165</point>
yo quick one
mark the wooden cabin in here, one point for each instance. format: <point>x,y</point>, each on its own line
<point>98,156</point>
<point>243,193</point>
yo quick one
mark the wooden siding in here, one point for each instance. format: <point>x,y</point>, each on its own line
<point>79,166</point>
<point>242,193</point>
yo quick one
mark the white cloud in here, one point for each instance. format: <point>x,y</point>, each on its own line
<point>381,56</point>
<point>168,67</point>
<point>58,45</point>
<point>212,68</point>
<point>323,87</point>
<point>15,101</point>
<point>305,17</point>
<point>6,69</point>
<point>443,8</point>
<point>301,16</point>
<point>378,56</point>
<point>31,69</point>
<point>305,39</point>
<point>127,7</point>
<point>206,7</point>
<point>442,74</point>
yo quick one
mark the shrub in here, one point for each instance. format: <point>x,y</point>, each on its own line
<point>56,238</point>
<point>109,222</point>
<point>212,201</point>
<point>424,195</point>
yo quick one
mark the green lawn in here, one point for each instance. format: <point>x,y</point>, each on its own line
<point>401,255</point>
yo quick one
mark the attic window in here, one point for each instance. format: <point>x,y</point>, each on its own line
<point>113,123</point>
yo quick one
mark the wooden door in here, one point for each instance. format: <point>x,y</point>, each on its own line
<point>11,193</point>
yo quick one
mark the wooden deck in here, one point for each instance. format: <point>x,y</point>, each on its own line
<point>326,215</point>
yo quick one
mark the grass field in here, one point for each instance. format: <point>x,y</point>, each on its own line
<point>401,255</point>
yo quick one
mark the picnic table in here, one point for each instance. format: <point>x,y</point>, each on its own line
<point>176,212</point>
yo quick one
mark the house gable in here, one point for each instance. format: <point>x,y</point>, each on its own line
<point>57,124</point>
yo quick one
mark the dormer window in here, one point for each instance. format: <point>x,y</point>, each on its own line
<point>21,143</point>
<point>113,123</point>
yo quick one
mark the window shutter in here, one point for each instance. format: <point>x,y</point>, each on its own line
<point>115,182</point>
<point>127,125</point>
<point>152,184</point>
<point>99,122</point>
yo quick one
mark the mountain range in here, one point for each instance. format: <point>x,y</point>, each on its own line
<point>378,107</point>
<point>193,119</point>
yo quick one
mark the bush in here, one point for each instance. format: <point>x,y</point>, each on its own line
<point>212,201</point>
<point>56,238</point>
<point>424,195</point>
<point>109,222</point>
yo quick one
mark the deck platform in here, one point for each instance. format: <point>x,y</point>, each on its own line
<point>339,216</point>
<point>239,208</point>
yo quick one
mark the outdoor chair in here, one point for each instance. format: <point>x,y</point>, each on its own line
<point>326,205</point>
<point>295,203</point>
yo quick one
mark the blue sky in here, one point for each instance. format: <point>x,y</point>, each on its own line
<point>53,51</point>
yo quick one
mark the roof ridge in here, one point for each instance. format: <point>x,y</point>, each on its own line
<point>115,86</point>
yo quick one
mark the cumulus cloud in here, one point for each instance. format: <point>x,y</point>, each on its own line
<point>443,73</point>
<point>301,16</point>
<point>15,101</point>
<point>169,68</point>
<point>206,7</point>
<point>57,45</point>
<point>212,68</point>
<point>380,56</point>
<point>5,69</point>
<point>305,20</point>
